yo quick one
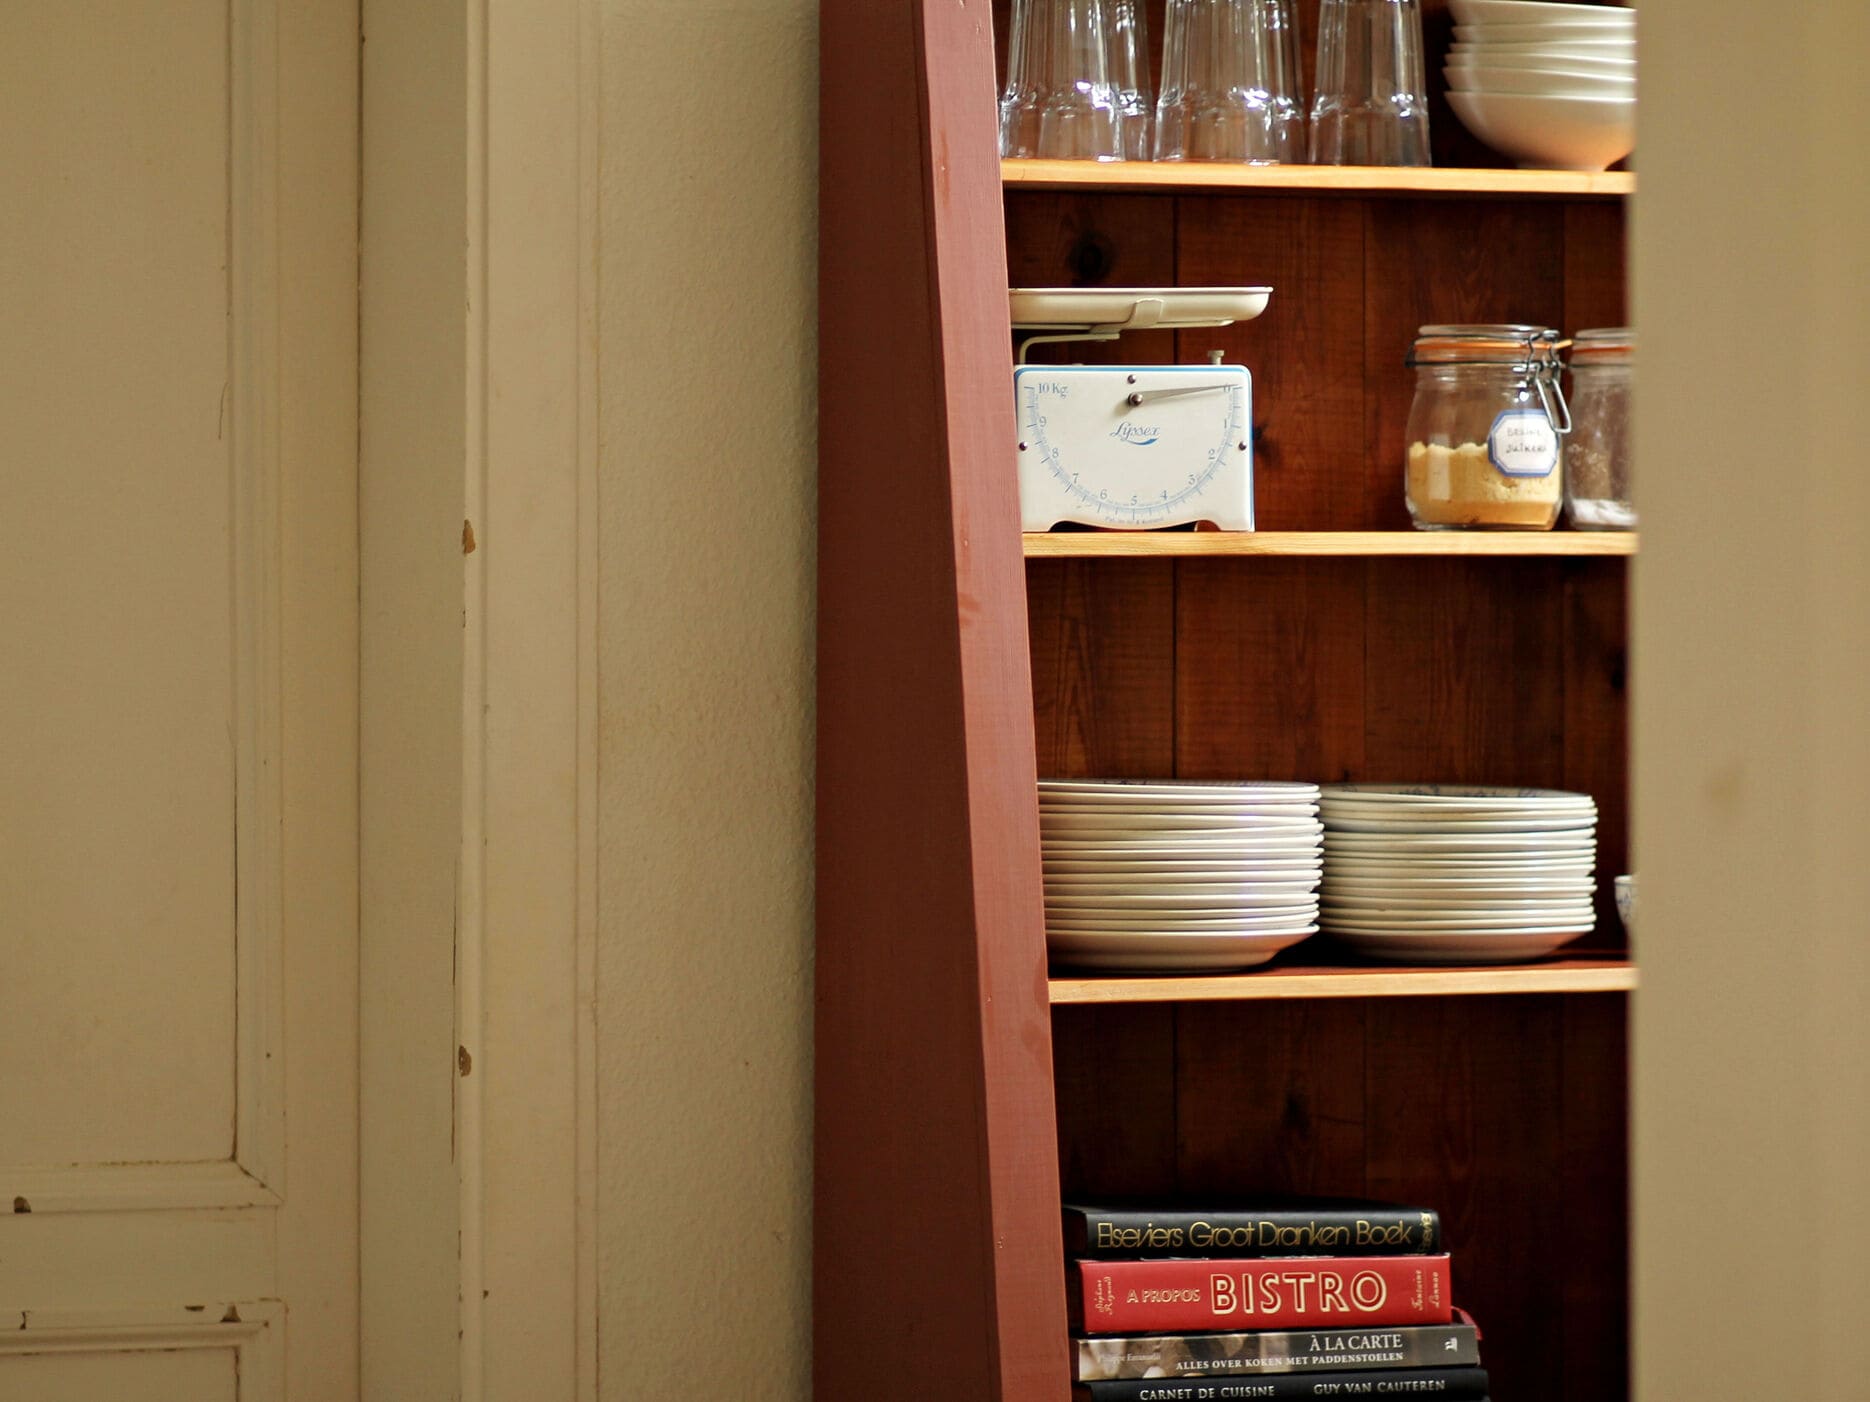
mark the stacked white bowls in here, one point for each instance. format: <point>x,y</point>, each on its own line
<point>1446,874</point>
<point>1162,875</point>
<point>1550,85</point>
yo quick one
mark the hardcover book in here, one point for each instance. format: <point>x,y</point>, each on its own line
<point>1132,1297</point>
<point>1265,1227</point>
<point>1271,1352</point>
<point>1449,1384</point>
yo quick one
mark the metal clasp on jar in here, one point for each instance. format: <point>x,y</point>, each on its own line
<point>1546,366</point>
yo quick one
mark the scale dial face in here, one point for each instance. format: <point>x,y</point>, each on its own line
<point>1135,446</point>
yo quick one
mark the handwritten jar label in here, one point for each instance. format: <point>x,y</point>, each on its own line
<point>1523,443</point>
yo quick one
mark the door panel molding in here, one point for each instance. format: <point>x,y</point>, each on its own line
<point>254,468</point>
<point>253,1329</point>
<point>133,1187</point>
<point>255,1173</point>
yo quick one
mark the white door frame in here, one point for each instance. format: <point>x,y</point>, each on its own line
<point>480,769</point>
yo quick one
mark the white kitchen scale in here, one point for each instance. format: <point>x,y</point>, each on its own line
<point>1133,447</point>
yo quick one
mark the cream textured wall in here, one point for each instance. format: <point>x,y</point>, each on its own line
<point>1752,677</point>
<point>706,500</point>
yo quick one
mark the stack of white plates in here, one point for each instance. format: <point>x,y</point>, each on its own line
<point>1161,874</point>
<point>1547,84</point>
<point>1452,874</point>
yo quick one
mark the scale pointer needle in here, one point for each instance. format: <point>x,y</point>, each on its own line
<point>1144,396</point>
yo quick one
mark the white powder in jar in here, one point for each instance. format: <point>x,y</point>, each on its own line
<point>1461,487</point>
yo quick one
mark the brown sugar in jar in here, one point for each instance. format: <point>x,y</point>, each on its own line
<point>1483,440</point>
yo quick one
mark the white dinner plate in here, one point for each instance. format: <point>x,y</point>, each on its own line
<point>1291,812</point>
<point>1451,793</point>
<point>1351,888</point>
<point>1472,810</point>
<point>1197,873</point>
<point>1171,922</point>
<point>1245,895</point>
<point>1513,865</point>
<point>1480,920</point>
<point>1171,884</point>
<point>1226,846</point>
<point>1254,906</point>
<point>1220,820</point>
<point>1165,953</point>
<point>1397,925</point>
<point>1425,843</point>
<point>1445,949</point>
<point>1444,900</point>
<point>1184,787</point>
<point>1461,827</point>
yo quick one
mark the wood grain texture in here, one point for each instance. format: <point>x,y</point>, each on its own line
<point>1595,276</point>
<point>1595,1198</point>
<point>1305,180</point>
<point>1103,669</point>
<point>1462,1103</point>
<point>1116,1087</point>
<point>1465,668</point>
<point>1305,351</point>
<point>1269,666</point>
<point>934,1076</point>
<point>1308,981</point>
<point>1272,1102</point>
<point>1160,544</point>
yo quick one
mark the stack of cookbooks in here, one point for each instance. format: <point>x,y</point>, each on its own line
<point>1273,1298</point>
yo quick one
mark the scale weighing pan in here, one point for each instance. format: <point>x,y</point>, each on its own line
<point>1135,308</point>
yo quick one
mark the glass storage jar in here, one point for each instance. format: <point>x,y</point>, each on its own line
<point>1597,455</point>
<point>1485,429</point>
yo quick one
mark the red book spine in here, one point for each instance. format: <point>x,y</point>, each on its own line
<point>1133,1297</point>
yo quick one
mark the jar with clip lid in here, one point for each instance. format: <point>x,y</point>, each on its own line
<point>1486,429</point>
<point>1597,456</point>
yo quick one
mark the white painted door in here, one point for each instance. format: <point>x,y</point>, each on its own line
<point>178,700</point>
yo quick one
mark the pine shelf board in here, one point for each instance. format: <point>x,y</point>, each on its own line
<point>1096,544</point>
<point>1187,177</point>
<point>1577,975</point>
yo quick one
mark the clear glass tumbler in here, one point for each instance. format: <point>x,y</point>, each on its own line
<point>1129,76</point>
<point>1229,83</point>
<point>1280,33</point>
<point>1371,106</point>
<point>1597,455</point>
<point>1059,103</point>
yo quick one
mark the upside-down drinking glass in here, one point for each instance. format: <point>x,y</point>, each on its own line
<point>1229,83</point>
<point>1129,76</point>
<point>1371,106</point>
<point>1059,103</point>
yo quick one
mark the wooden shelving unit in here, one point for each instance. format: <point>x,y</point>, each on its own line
<point>961,1090</point>
<point>1090,545</point>
<point>1324,981</point>
<point>1190,177</point>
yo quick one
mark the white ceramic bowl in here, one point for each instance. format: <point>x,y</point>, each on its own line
<point>1529,12</point>
<point>1563,133</point>
<point>1547,49</point>
<point>1626,903</point>
<point>1538,63</point>
<point>1537,83</point>
<point>1487,35</point>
